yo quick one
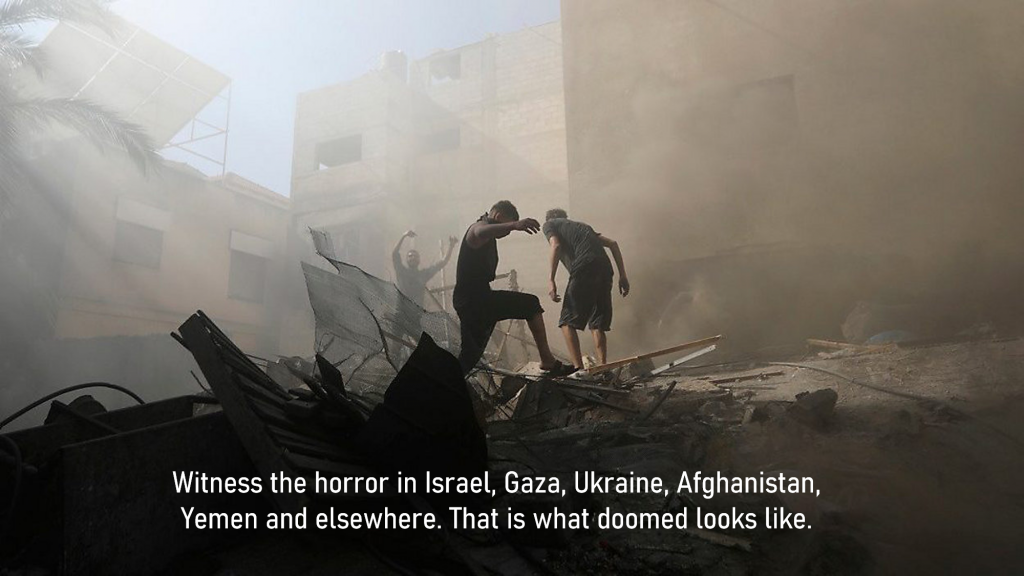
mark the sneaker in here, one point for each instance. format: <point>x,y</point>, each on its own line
<point>560,369</point>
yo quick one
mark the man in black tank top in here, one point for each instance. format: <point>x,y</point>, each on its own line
<point>479,307</point>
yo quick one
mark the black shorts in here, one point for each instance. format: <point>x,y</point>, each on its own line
<point>480,311</point>
<point>588,298</point>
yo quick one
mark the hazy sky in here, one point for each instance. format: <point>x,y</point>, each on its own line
<point>274,50</point>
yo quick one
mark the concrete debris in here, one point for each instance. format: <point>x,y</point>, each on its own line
<point>306,420</point>
<point>814,409</point>
<point>638,369</point>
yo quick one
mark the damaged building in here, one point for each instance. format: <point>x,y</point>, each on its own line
<point>113,255</point>
<point>785,160</point>
<point>817,203</point>
<point>429,145</point>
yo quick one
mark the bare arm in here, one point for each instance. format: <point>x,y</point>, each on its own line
<point>617,255</point>
<point>552,287</point>
<point>396,254</point>
<point>452,241</point>
<point>481,232</point>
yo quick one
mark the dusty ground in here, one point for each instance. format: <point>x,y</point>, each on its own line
<point>918,464</point>
<point>927,486</point>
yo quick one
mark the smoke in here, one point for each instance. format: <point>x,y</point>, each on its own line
<point>764,168</point>
<point>872,151</point>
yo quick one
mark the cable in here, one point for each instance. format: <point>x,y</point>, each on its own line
<point>53,395</point>
<point>198,381</point>
<point>907,395</point>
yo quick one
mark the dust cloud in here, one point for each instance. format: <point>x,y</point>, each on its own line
<point>788,162</point>
<point>764,167</point>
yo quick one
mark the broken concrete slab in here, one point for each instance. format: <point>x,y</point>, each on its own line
<point>814,409</point>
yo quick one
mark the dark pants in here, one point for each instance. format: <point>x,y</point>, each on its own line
<point>481,310</point>
<point>588,298</point>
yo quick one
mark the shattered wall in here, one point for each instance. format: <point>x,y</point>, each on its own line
<point>884,134</point>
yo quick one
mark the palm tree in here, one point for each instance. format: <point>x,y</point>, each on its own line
<point>21,116</point>
<point>27,299</point>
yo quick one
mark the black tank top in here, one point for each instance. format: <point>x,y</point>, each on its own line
<point>476,267</point>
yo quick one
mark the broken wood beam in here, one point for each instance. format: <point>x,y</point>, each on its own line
<point>684,359</point>
<point>679,348</point>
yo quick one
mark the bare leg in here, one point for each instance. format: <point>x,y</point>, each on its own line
<point>540,336</point>
<point>601,343</point>
<point>572,340</point>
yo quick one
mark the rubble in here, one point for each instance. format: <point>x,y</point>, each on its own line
<point>814,408</point>
<point>354,410</point>
<point>425,422</point>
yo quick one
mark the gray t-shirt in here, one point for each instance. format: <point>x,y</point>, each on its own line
<point>580,245</point>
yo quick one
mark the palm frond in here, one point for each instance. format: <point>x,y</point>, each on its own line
<point>21,12</point>
<point>18,50</point>
<point>90,120</point>
<point>8,131</point>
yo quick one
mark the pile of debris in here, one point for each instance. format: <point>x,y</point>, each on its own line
<point>869,425</point>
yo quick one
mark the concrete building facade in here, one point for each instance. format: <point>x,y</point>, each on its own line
<point>877,130</point>
<point>142,252</point>
<point>430,145</point>
<point>104,261</point>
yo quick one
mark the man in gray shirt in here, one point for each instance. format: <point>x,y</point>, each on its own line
<point>588,295</point>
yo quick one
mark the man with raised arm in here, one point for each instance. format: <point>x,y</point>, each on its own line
<point>479,307</point>
<point>411,280</point>
<point>588,295</point>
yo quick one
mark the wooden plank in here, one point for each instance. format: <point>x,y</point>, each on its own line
<point>684,359</point>
<point>625,362</point>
